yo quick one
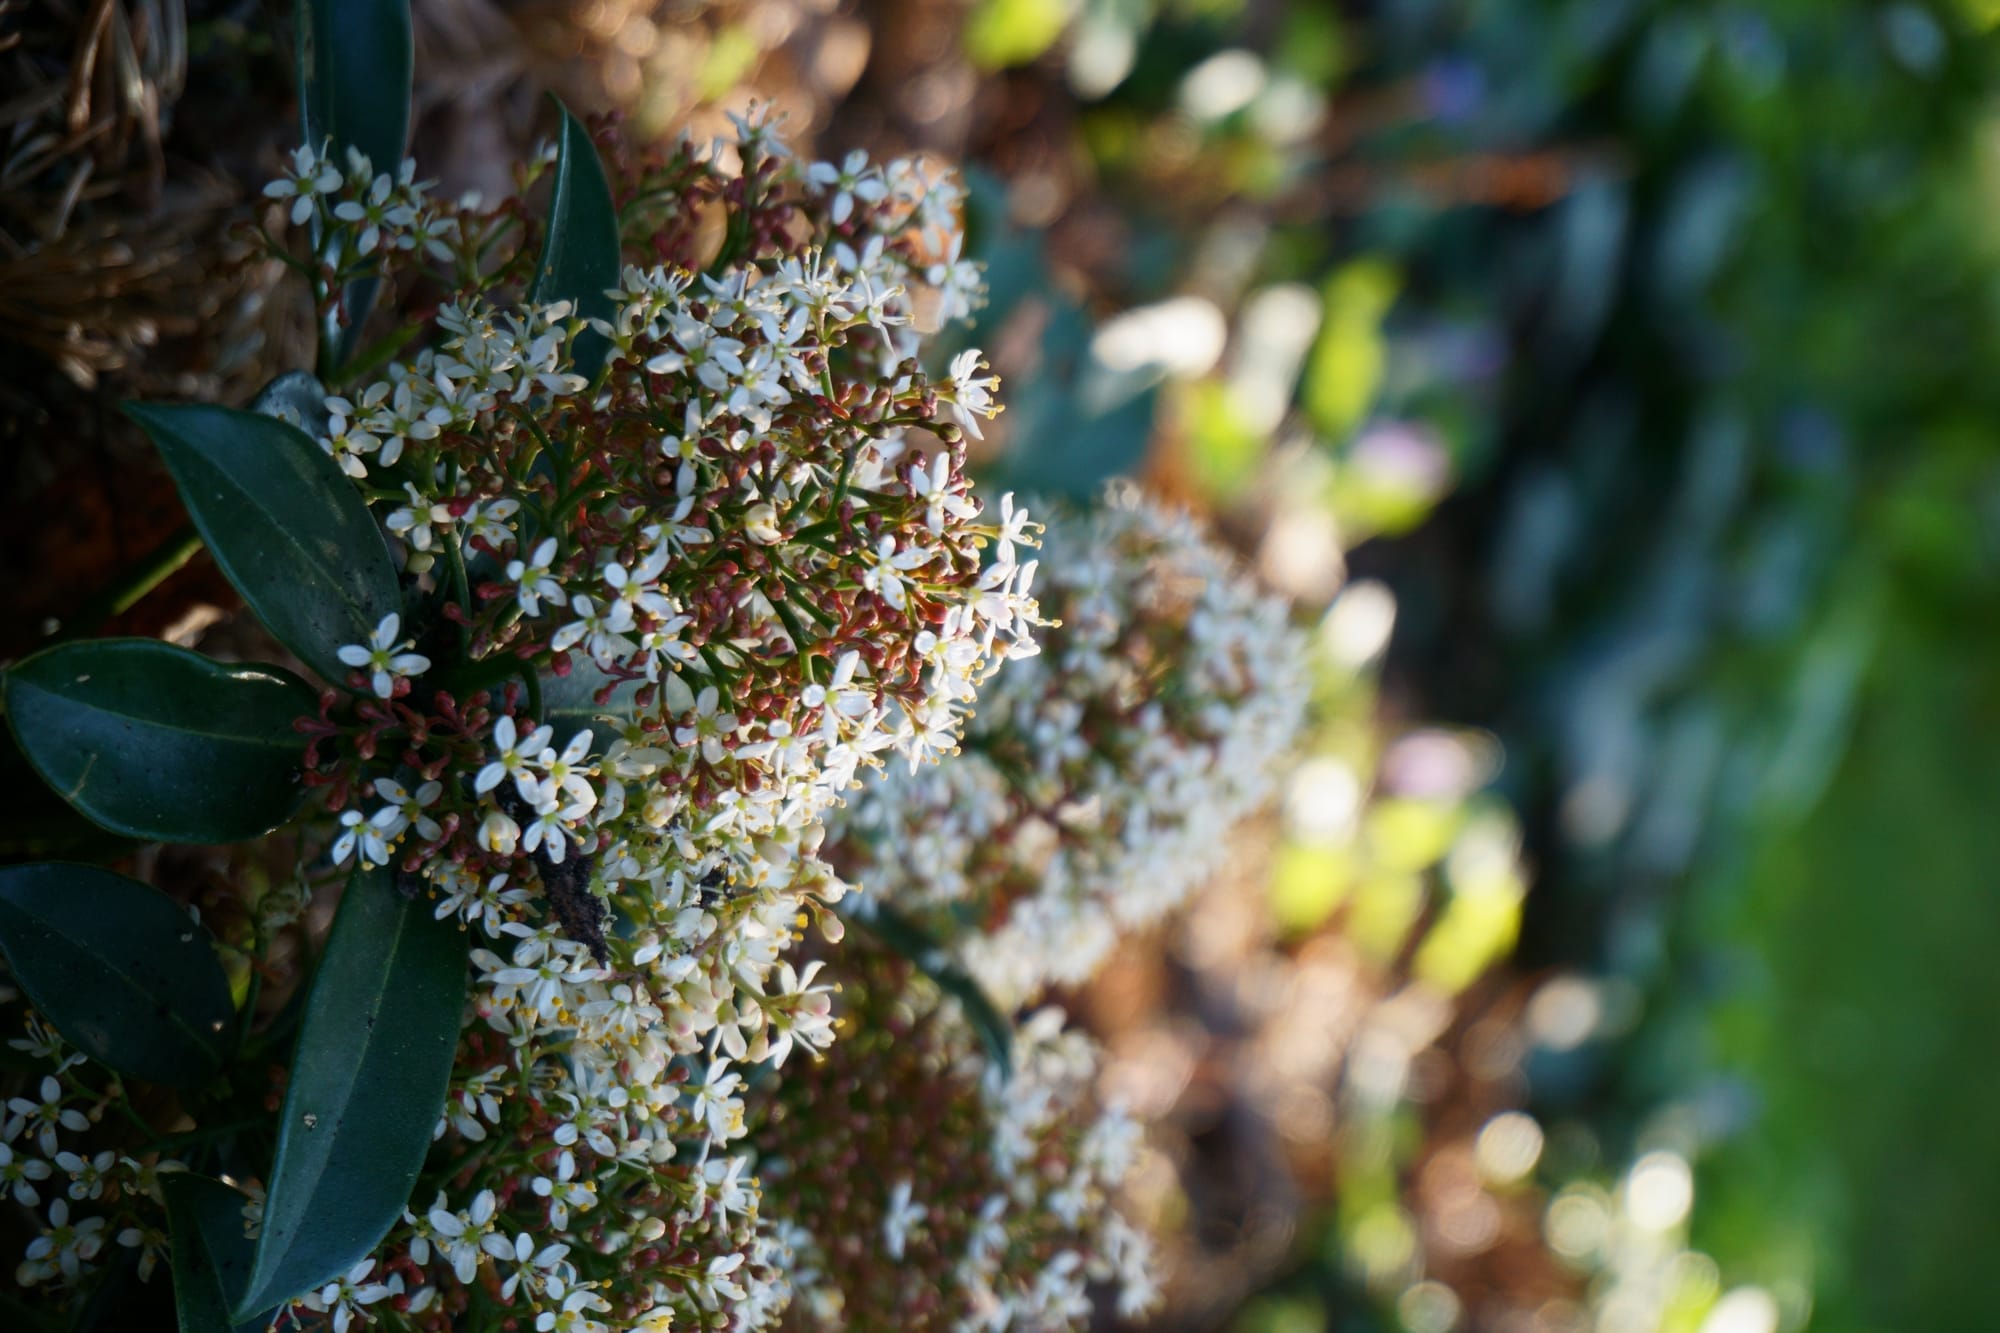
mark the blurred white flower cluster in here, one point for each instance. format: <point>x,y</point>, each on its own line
<point>916,1184</point>
<point>1101,779</point>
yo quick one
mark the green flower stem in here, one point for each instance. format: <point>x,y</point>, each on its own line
<point>534,684</point>
<point>378,354</point>
<point>791,623</point>
<point>461,588</point>
<point>846,471</point>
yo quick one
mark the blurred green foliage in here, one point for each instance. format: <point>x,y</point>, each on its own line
<point>1724,566</point>
<point>1704,299</point>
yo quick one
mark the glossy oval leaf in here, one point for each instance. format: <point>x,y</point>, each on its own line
<point>154,741</point>
<point>296,398</point>
<point>569,703</point>
<point>121,970</point>
<point>910,940</point>
<point>367,1085</point>
<point>38,825</point>
<point>211,1255</point>
<point>356,63</point>
<point>580,252</point>
<point>287,527</point>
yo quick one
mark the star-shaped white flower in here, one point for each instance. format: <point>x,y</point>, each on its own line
<point>383,657</point>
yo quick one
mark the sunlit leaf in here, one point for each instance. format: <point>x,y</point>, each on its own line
<point>290,531</point>
<point>1344,371</point>
<point>367,1083</point>
<point>1001,33</point>
<point>120,969</point>
<point>154,741</point>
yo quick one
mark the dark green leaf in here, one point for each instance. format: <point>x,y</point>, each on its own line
<point>154,741</point>
<point>569,703</point>
<point>907,938</point>
<point>119,1301</point>
<point>38,825</point>
<point>367,1086</point>
<point>120,969</point>
<point>296,398</point>
<point>211,1253</point>
<point>580,253</point>
<point>290,531</point>
<point>356,62</point>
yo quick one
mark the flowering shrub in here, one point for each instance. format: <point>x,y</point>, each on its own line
<point>731,533</point>
<point>1101,778</point>
<point>994,1213</point>
<point>618,569</point>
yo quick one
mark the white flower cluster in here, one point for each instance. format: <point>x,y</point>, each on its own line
<point>750,594</point>
<point>386,211</point>
<point>1001,1215</point>
<point>1102,779</point>
<point>83,1200</point>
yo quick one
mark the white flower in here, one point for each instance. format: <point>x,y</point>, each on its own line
<point>382,207</point>
<point>971,394</point>
<point>566,774</point>
<point>86,1174</point>
<point>538,1270</point>
<point>851,180</point>
<point>488,522</point>
<point>150,1242</point>
<point>900,1217</point>
<point>44,1117</point>
<point>572,1316</point>
<point>64,1246</point>
<point>711,726</point>
<point>18,1174</point>
<point>1013,530</point>
<point>713,1101</point>
<point>564,1191</point>
<point>513,756</point>
<point>934,489</point>
<point>382,656</point>
<point>725,1183</point>
<point>884,578</point>
<point>460,1235</point>
<point>311,178</point>
<point>547,829</point>
<point>367,834</point>
<point>801,1012</point>
<point>498,833</point>
<point>417,521</point>
<point>409,809</point>
<point>533,580</point>
<point>347,1294</point>
<point>760,521</point>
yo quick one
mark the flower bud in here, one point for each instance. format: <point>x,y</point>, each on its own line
<point>761,522</point>
<point>499,834</point>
